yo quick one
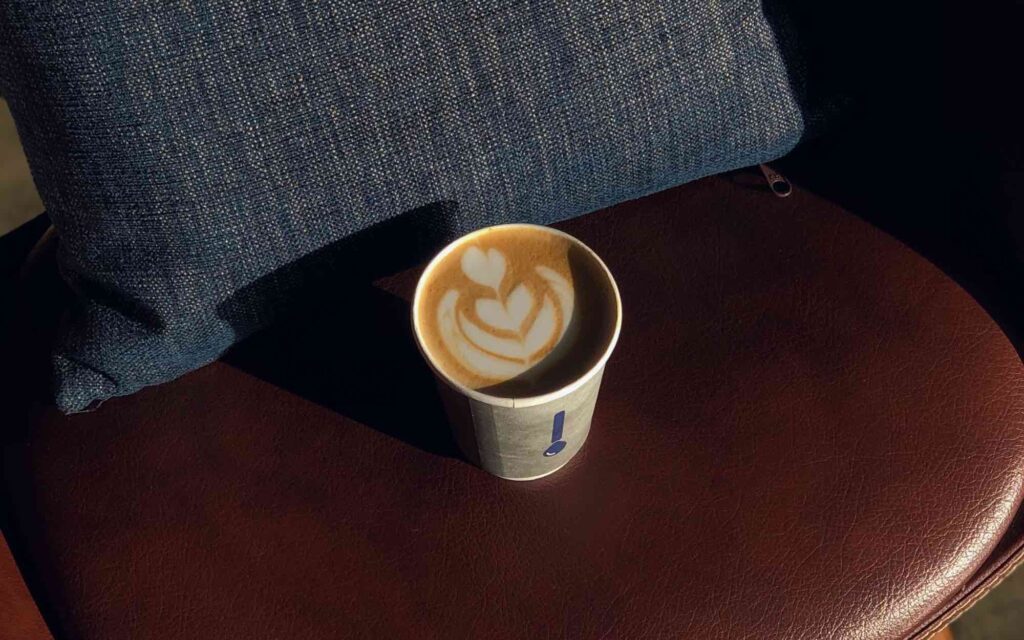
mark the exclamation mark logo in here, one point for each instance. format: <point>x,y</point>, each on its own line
<point>557,444</point>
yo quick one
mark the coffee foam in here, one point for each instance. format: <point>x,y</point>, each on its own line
<point>501,311</point>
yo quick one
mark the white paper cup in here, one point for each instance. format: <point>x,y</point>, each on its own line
<point>522,438</point>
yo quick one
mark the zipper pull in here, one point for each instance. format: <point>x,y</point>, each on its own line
<point>776,181</point>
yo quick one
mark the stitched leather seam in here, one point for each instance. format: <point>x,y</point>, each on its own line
<point>1014,560</point>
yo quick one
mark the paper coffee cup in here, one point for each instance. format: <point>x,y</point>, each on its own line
<point>523,438</point>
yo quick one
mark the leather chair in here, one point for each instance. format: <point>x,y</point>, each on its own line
<point>813,428</point>
<point>808,431</point>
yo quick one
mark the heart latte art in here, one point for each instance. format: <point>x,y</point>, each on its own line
<point>515,311</point>
<point>507,323</point>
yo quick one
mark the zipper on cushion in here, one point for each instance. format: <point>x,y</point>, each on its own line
<point>776,181</point>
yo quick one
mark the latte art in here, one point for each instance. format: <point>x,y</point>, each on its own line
<point>514,311</point>
<point>497,335</point>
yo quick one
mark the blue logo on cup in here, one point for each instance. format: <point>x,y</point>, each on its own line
<point>557,444</point>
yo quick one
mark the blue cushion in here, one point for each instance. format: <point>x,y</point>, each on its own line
<point>193,156</point>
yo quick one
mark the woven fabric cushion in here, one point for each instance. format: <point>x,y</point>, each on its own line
<point>194,155</point>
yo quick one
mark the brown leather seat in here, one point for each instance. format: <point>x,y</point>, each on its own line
<point>808,431</point>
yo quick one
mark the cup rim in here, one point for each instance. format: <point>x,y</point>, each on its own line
<point>524,401</point>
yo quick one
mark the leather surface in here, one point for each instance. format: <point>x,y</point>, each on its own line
<point>19,617</point>
<point>807,431</point>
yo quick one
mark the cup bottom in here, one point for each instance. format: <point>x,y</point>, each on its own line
<point>538,477</point>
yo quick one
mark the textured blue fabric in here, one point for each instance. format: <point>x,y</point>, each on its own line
<point>192,153</point>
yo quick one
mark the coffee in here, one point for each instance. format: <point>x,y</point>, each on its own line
<point>515,310</point>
